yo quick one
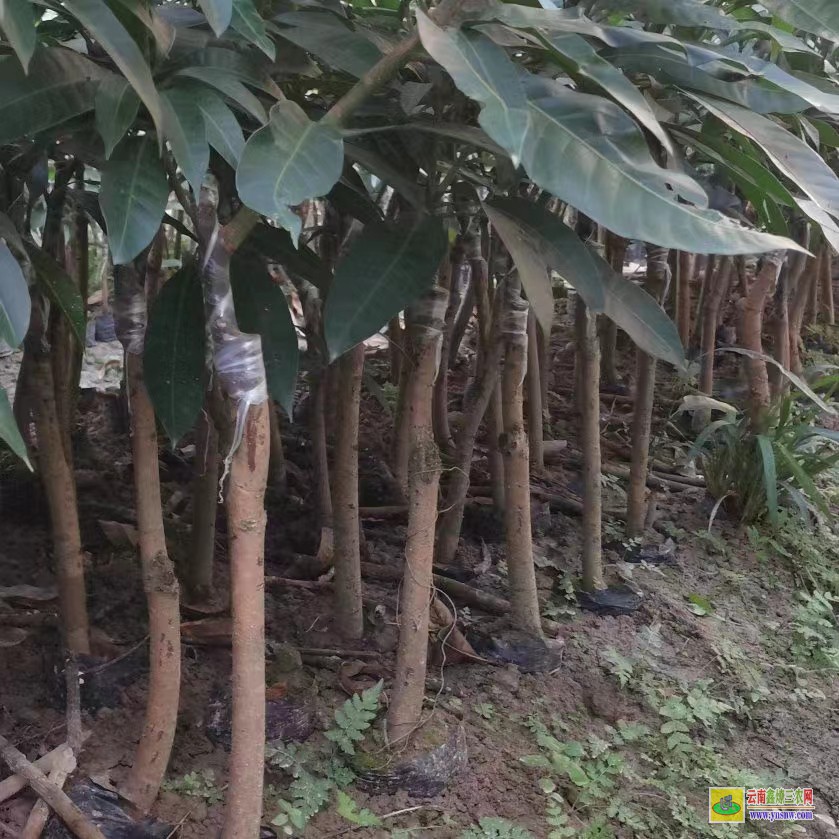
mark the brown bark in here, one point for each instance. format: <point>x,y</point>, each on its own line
<point>684,294</point>
<point>395,338</point>
<point>800,294</point>
<point>320,460</point>
<point>812,311</point>
<point>349,612</point>
<point>38,815</point>
<point>451,279</point>
<point>423,343</point>
<point>535,424</point>
<point>198,570</point>
<point>277,466</point>
<point>514,447</point>
<point>826,287</point>
<point>640,433</point>
<point>464,315</point>
<point>588,366</point>
<point>751,330</point>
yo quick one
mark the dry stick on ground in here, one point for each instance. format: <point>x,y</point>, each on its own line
<point>348,606</point>
<point>588,365</point>
<point>451,519</point>
<point>800,294</point>
<point>159,580</point>
<point>427,320</point>
<point>38,815</point>
<point>751,330</point>
<point>240,370</point>
<point>450,278</point>
<point>535,420</point>
<point>198,570</point>
<point>66,810</point>
<point>517,532</point>
<point>658,275</point>
<point>826,287</point>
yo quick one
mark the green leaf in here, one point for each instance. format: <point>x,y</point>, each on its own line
<point>276,244</point>
<point>106,28</point>
<point>231,87</point>
<point>829,225</point>
<point>325,36</point>
<point>117,105</point>
<point>61,289</point>
<point>348,809</point>
<point>385,270</point>
<point>247,21</point>
<point>538,240</point>
<point>821,17</point>
<point>218,14</point>
<point>223,131</point>
<point>9,432</point>
<point>802,478</point>
<point>133,197</point>
<point>175,351</point>
<point>770,475</point>
<point>183,121</point>
<point>18,24</point>
<point>790,155</point>
<point>481,70</point>
<point>382,169</point>
<point>699,605</point>
<point>262,309</point>
<point>679,12</point>
<point>288,161</point>
<point>61,84</point>
<point>15,303</point>
<point>673,725</point>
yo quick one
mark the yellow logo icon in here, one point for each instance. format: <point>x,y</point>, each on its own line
<point>726,805</point>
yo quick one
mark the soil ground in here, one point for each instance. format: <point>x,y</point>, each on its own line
<point>714,633</point>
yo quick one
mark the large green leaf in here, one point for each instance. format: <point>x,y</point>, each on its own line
<point>15,305</point>
<point>325,36</point>
<point>262,309</point>
<point>770,475</point>
<point>61,84</point>
<point>288,161</point>
<point>9,432</point>
<point>175,353</point>
<point>59,286</point>
<point>247,21</point>
<point>117,105</point>
<point>375,164</point>
<point>231,87</point>
<point>106,28</point>
<point>133,197</point>
<point>538,240</point>
<point>821,17</point>
<point>185,130</point>
<point>791,156</point>
<point>303,263</point>
<point>481,70</point>
<point>224,133</point>
<point>218,14</point>
<point>17,20</point>
<point>386,270</point>
<point>679,12</point>
<point>828,225</point>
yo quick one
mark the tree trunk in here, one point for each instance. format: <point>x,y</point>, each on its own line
<point>277,466</point>
<point>684,293</point>
<point>535,420</point>
<point>198,569</point>
<point>349,612</point>
<point>514,447</point>
<point>827,311</point>
<point>426,325</point>
<point>640,434</point>
<point>800,294</point>
<point>452,279</point>
<point>588,365</point>
<point>395,339</point>
<point>320,459</point>
<point>812,311</point>
<point>716,290</point>
<point>464,315</point>
<point>240,372</point>
<point>751,330</point>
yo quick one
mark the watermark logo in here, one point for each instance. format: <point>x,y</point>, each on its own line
<point>727,805</point>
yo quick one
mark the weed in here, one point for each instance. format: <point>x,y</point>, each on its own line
<point>492,828</point>
<point>815,638</point>
<point>485,710</point>
<point>200,784</point>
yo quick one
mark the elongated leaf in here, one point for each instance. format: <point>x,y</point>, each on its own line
<point>288,161</point>
<point>679,12</point>
<point>536,237</point>
<point>262,309</point>
<point>183,121</point>
<point>382,274</point>
<point>790,155</point>
<point>18,24</point>
<point>586,66</point>
<point>770,476</point>
<point>829,226</point>
<point>802,478</point>
<point>9,432</point>
<point>117,105</point>
<point>247,21</point>
<point>223,131</point>
<point>218,14</point>
<point>231,87</point>
<point>481,70</point>
<point>15,304</point>
<point>61,84</point>
<point>376,165</point>
<point>59,286</point>
<point>821,17</point>
<point>133,197</point>
<point>303,263</point>
<point>106,28</point>
<point>175,352</point>
<point>333,42</point>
